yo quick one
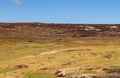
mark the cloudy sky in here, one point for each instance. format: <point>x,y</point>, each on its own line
<point>60,11</point>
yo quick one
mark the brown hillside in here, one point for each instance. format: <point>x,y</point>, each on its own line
<point>64,30</point>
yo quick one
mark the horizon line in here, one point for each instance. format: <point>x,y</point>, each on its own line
<point>61,23</point>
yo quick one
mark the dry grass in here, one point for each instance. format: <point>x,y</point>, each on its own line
<point>85,52</point>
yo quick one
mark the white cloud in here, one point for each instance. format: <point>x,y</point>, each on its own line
<point>17,2</point>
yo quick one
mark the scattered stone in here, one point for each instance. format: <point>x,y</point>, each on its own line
<point>84,76</point>
<point>113,27</point>
<point>108,56</point>
<point>60,74</point>
<point>46,68</point>
<point>98,30</point>
<point>21,66</point>
<point>88,28</point>
<point>112,69</point>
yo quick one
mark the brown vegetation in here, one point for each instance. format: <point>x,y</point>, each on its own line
<point>45,30</point>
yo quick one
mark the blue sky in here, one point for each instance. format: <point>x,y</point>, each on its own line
<point>60,11</point>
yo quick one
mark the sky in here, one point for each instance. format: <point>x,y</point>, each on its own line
<point>61,11</point>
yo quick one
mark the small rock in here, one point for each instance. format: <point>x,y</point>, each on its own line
<point>60,74</point>
<point>84,76</point>
<point>112,69</point>
<point>113,27</point>
<point>46,68</point>
<point>21,66</point>
<point>108,56</point>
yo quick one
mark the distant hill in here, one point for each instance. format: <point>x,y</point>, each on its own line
<point>44,30</point>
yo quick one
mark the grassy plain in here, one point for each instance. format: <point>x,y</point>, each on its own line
<point>44,58</point>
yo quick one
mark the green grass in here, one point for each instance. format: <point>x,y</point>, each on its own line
<point>39,75</point>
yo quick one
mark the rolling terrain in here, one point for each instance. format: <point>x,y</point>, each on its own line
<point>41,50</point>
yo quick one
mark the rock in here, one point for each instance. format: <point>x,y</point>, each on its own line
<point>113,27</point>
<point>60,74</point>
<point>112,69</point>
<point>108,56</point>
<point>113,77</point>
<point>84,76</point>
<point>21,66</point>
<point>46,68</point>
<point>65,71</point>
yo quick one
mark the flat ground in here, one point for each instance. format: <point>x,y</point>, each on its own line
<point>42,59</point>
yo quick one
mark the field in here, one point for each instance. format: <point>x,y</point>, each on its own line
<point>41,59</point>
